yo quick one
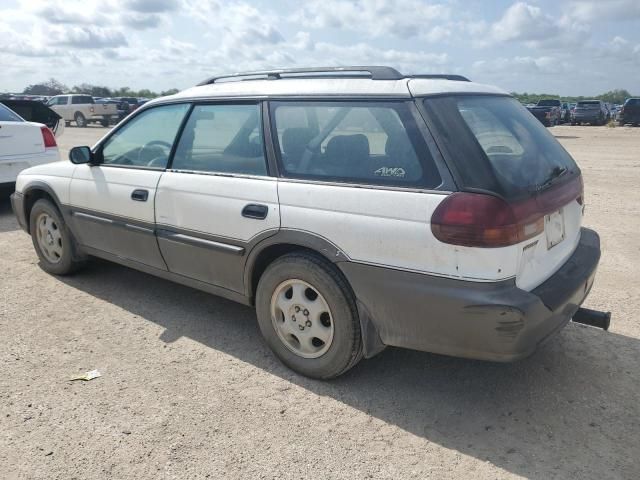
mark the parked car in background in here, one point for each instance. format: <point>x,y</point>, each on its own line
<point>22,145</point>
<point>82,109</point>
<point>565,116</point>
<point>630,112</point>
<point>590,111</point>
<point>35,111</point>
<point>128,104</point>
<point>121,112</point>
<point>272,199</point>
<point>548,111</point>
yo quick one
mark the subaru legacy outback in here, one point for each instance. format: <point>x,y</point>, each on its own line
<point>354,207</point>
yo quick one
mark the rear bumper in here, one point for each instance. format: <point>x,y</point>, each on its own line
<point>17,204</point>
<point>11,166</point>
<point>487,321</point>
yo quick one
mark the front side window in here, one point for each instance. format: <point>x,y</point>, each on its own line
<point>222,138</point>
<point>360,142</point>
<point>58,101</point>
<point>145,140</point>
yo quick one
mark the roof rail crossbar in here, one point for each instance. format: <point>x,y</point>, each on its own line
<point>441,76</point>
<point>372,72</point>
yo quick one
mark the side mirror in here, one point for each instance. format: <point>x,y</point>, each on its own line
<point>79,155</point>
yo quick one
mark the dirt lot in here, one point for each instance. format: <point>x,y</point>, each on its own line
<point>189,390</point>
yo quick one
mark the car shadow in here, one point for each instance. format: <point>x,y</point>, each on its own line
<point>8,222</point>
<point>565,412</point>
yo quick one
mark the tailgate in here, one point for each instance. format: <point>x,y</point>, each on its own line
<point>544,255</point>
<point>20,138</point>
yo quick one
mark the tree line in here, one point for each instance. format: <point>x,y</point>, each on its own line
<point>54,87</point>
<point>614,96</point>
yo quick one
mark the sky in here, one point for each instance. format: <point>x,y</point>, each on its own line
<point>569,47</point>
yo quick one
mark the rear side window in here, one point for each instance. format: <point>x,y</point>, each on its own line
<point>497,145</point>
<point>222,138</point>
<point>7,115</point>
<point>81,100</point>
<point>359,142</point>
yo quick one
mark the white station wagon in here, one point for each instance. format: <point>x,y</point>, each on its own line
<point>354,207</point>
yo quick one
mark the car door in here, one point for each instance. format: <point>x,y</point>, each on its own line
<point>362,176</point>
<point>217,198</point>
<point>112,202</point>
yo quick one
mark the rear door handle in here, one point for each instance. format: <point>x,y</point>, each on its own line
<point>256,211</point>
<point>140,195</point>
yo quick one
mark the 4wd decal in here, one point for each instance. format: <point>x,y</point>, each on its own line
<point>390,172</point>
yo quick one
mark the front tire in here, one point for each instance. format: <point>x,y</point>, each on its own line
<point>52,239</point>
<point>308,316</point>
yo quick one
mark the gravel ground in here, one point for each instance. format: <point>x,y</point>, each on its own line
<point>189,390</point>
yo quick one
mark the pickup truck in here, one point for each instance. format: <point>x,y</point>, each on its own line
<point>83,110</point>
<point>548,111</point>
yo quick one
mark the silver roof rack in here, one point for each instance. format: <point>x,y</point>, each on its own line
<point>371,72</point>
<point>441,76</point>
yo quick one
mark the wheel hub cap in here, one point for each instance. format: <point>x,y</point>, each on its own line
<point>302,319</point>
<point>49,238</point>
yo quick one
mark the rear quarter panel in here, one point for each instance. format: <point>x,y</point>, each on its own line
<point>388,228</point>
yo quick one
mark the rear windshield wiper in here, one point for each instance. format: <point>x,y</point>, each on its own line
<point>555,174</point>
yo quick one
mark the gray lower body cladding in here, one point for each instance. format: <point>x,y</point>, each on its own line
<point>487,321</point>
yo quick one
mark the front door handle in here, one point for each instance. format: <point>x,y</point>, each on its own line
<point>256,211</point>
<point>140,195</point>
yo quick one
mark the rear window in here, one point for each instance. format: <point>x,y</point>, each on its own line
<point>7,115</point>
<point>588,104</point>
<point>632,101</point>
<point>548,103</point>
<point>497,145</point>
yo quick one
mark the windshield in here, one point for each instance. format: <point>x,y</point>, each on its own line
<point>548,103</point>
<point>522,155</point>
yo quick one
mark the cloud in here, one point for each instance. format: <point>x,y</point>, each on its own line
<point>151,6</point>
<point>139,21</point>
<point>58,15</point>
<point>599,10</point>
<point>88,37</point>
<point>523,22</point>
<point>399,18</point>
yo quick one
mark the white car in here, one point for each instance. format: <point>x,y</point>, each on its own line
<point>22,145</point>
<point>353,207</point>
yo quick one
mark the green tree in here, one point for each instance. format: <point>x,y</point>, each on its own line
<point>50,87</point>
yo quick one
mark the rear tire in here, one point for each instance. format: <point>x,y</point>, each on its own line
<point>298,295</point>
<point>52,240</point>
<point>81,121</point>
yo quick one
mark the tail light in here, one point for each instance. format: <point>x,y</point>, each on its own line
<point>48,137</point>
<point>91,109</point>
<point>479,220</point>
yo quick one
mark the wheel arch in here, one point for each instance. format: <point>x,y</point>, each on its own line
<point>35,191</point>
<point>289,241</point>
<point>285,241</point>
